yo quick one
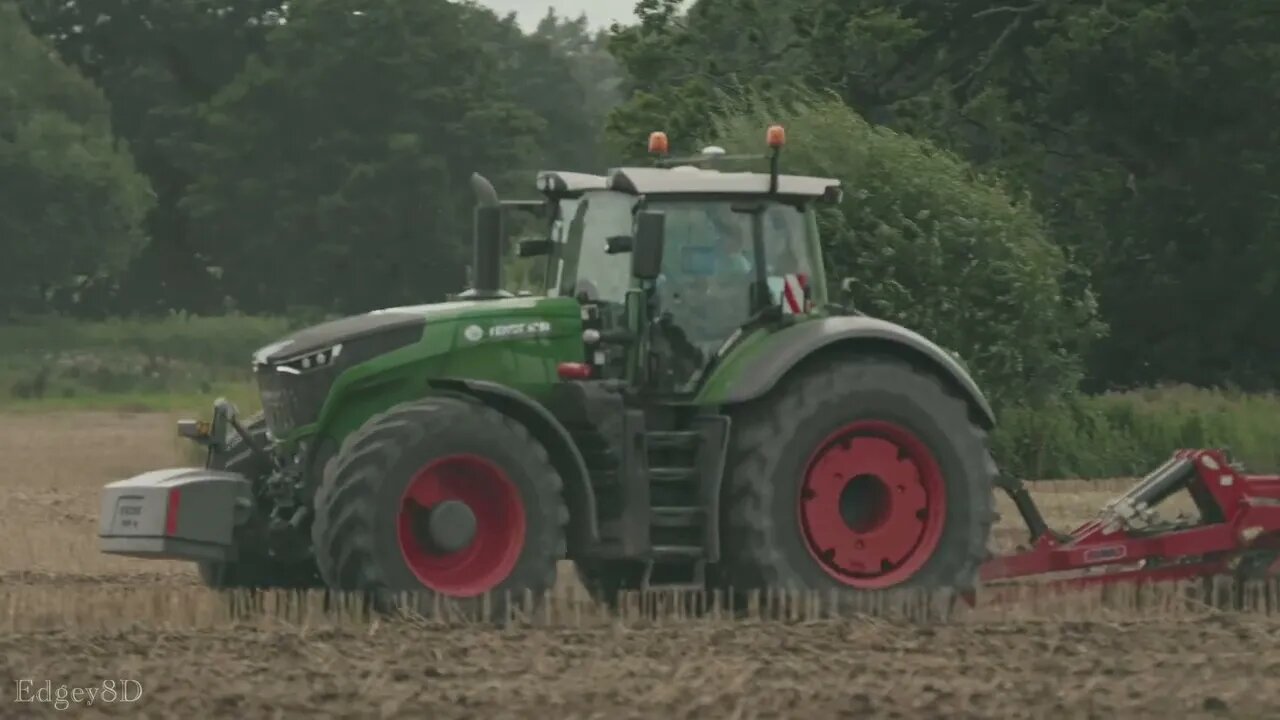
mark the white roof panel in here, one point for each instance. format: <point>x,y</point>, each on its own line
<point>569,183</point>
<point>692,180</point>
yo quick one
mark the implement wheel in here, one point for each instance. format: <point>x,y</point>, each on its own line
<point>440,498</point>
<point>858,474</point>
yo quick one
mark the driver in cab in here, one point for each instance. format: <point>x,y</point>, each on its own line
<point>708,273</point>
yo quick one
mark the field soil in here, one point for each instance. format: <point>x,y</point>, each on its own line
<point>148,641</point>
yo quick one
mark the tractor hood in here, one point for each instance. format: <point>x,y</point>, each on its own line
<point>326,335</point>
<point>400,321</point>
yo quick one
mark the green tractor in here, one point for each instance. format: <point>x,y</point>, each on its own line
<point>683,406</point>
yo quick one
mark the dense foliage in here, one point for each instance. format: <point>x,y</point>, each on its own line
<point>1141,130</point>
<point>71,201</point>
<point>342,153</point>
<point>329,139</point>
<point>1021,176</point>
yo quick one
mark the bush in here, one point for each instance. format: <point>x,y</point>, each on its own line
<point>60,358</point>
<point>1130,434</point>
<point>935,247</point>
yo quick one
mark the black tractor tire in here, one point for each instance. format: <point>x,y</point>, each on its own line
<point>768,526</point>
<point>361,547</point>
<point>253,571</point>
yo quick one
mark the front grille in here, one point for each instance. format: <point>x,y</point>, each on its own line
<point>291,400</point>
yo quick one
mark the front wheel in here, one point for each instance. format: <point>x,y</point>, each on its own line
<point>858,474</point>
<point>442,497</point>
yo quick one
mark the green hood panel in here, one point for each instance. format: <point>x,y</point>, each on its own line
<point>517,342</point>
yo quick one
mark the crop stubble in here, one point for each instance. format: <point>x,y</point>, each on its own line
<point>71,615</point>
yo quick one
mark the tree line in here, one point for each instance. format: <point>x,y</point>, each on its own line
<point>1085,191</point>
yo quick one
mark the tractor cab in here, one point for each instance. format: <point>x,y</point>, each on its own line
<point>726,249</point>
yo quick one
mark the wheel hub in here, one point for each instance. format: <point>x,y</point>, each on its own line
<point>449,527</point>
<point>865,503</point>
<point>871,504</point>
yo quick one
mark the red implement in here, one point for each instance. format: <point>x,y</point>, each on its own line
<point>1237,531</point>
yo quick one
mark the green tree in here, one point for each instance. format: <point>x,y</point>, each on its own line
<point>929,244</point>
<point>333,171</point>
<point>681,67</point>
<point>157,61</point>
<point>594,78</point>
<point>71,201</point>
<point>1140,127</point>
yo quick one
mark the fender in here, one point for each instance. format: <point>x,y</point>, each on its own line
<point>782,351</point>
<point>546,429</point>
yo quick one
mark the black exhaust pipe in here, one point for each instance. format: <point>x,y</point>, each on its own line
<point>486,263</point>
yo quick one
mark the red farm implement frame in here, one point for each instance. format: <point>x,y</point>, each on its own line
<point>1237,532</point>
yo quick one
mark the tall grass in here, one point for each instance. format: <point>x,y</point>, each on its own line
<point>161,363</point>
<point>1128,434</point>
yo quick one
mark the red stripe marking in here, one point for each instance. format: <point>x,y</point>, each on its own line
<point>171,516</point>
<point>790,295</point>
<point>804,285</point>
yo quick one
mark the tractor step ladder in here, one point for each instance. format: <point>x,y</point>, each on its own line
<point>683,473</point>
<point>658,493</point>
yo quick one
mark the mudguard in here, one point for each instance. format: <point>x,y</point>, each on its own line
<point>546,429</point>
<point>762,370</point>
<point>174,514</point>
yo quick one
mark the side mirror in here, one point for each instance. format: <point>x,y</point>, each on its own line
<point>618,244</point>
<point>533,247</point>
<point>646,252</point>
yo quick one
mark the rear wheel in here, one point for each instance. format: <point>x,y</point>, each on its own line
<point>253,570</point>
<point>443,497</point>
<point>857,474</point>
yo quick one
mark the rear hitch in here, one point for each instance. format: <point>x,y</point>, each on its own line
<point>1027,508</point>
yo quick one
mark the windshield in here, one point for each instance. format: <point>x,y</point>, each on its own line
<point>709,263</point>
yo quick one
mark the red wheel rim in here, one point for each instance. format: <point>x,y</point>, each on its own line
<point>499,528</point>
<point>872,504</point>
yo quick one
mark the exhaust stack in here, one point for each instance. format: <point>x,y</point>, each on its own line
<point>486,263</point>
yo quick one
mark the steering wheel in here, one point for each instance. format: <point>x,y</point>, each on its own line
<point>700,307</point>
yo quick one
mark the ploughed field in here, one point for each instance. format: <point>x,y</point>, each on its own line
<point>75,618</point>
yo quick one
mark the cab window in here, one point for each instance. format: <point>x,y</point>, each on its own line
<point>591,272</point>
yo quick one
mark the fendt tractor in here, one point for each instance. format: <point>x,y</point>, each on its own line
<point>683,406</point>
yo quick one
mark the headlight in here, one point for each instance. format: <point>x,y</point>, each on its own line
<point>310,361</point>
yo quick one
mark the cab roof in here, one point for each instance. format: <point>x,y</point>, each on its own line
<point>687,179</point>
<point>556,183</point>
